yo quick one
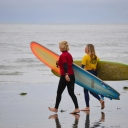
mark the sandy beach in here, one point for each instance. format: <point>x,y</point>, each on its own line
<point>31,110</point>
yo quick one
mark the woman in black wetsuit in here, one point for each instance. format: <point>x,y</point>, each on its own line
<point>67,78</point>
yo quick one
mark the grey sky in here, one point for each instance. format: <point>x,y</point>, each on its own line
<point>64,11</point>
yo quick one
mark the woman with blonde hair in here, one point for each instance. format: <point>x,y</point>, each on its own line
<point>89,63</point>
<point>67,78</point>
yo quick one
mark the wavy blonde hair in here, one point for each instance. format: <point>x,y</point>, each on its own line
<point>91,52</point>
<point>64,45</point>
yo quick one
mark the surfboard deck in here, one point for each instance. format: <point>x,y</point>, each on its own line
<point>110,71</point>
<point>82,77</point>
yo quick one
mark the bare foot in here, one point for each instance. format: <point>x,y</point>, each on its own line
<point>53,109</point>
<point>77,116</point>
<point>75,111</point>
<point>53,116</point>
<point>102,104</point>
<point>86,109</point>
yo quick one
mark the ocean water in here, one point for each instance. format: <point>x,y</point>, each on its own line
<point>19,65</point>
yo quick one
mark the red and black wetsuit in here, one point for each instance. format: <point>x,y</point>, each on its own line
<point>65,59</point>
<point>65,64</point>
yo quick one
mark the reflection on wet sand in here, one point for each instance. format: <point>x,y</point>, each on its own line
<point>58,125</point>
<point>95,124</point>
<point>77,116</point>
<point>87,120</point>
<point>55,116</point>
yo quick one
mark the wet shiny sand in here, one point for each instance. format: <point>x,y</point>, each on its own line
<point>31,110</point>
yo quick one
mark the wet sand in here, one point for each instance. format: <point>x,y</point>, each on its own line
<point>31,110</point>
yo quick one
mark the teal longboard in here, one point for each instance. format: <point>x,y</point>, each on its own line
<point>82,77</point>
<point>94,84</point>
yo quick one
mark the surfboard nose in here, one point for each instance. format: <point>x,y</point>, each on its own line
<point>118,97</point>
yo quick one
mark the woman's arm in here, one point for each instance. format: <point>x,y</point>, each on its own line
<point>65,66</point>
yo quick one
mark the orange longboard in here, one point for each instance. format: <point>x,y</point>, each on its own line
<point>48,59</point>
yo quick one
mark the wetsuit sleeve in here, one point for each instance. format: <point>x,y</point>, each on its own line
<point>65,66</point>
<point>82,66</point>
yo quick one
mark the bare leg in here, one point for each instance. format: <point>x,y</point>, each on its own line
<point>102,104</point>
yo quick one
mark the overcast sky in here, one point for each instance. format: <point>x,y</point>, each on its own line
<point>64,11</point>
